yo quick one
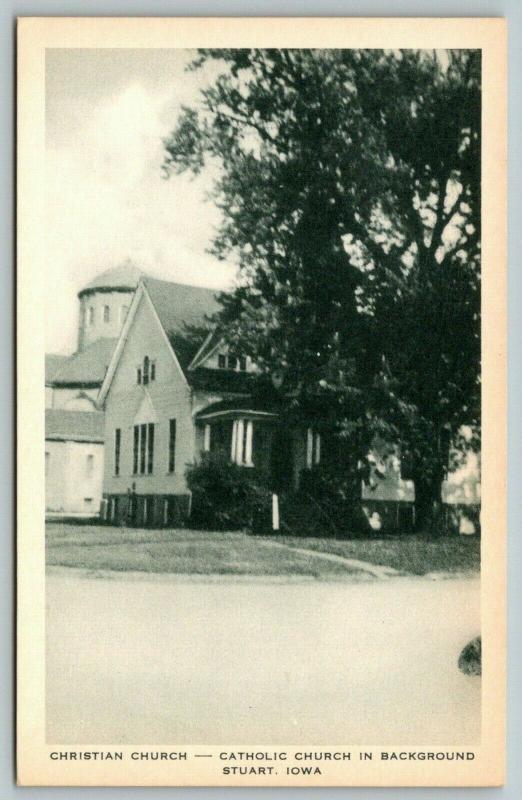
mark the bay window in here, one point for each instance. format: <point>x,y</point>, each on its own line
<point>242,442</point>
<point>313,448</point>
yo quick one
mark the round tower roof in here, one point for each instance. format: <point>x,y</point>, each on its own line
<point>118,279</point>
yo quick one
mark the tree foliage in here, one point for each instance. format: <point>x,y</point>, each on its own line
<point>349,186</point>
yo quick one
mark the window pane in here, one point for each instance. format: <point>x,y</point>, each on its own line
<point>138,375</point>
<point>150,448</point>
<point>143,443</point>
<point>117,448</point>
<point>232,362</point>
<point>153,370</point>
<point>222,361</point>
<point>242,363</point>
<point>172,445</point>
<point>106,313</point>
<point>136,449</point>
<point>146,370</point>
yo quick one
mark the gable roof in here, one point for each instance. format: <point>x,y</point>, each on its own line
<point>208,346</point>
<point>88,367</point>
<point>178,304</point>
<point>175,306</point>
<point>53,363</point>
<point>123,278</point>
<point>78,426</point>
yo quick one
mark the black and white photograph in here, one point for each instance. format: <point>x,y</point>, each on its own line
<point>264,341</point>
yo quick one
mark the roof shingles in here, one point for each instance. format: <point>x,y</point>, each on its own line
<point>53,363</point>
<point>77,426</point>
<point>122,278</point>
<point>88,367</point>
<point>178,305</point>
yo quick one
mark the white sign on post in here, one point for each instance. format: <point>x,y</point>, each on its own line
<point>275,512</point>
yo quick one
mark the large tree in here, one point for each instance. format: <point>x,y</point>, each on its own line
<point>349,185</point>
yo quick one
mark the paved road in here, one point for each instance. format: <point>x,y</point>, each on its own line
<point>173,662</point>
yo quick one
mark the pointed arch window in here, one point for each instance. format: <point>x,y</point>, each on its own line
<point>146,372</point>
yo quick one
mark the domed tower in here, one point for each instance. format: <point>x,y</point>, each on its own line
<point>104,303</point>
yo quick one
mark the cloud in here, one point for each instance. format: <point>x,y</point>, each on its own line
<point>107,200</point>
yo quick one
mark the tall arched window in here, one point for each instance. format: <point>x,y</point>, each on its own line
<point>146,364</point>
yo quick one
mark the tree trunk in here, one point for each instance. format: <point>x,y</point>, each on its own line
<point>428,502</point>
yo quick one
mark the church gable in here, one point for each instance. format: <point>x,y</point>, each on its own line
<point>143,359</point>
<point>216,354</point>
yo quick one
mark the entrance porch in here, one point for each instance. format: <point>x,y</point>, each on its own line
<point>254,438</point>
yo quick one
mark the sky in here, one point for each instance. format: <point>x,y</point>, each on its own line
<point>106,197</point>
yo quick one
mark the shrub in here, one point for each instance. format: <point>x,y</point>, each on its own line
<point>226,496</point>
<point>328,503</point>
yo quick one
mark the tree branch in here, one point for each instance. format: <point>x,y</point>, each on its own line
<point>243,121</point>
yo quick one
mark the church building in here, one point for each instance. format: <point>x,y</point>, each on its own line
<point>167,403</point>
<point>142,398</point>
<point>74,426</point>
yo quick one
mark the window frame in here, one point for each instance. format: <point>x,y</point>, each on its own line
<point>143,449</point>
<point>150,449</point>
<point>313,448</point>
<point>171,460</point>
<point>117,451</point>
<point>242,444</point>
<point>89,466</point>
<point>136,450</point>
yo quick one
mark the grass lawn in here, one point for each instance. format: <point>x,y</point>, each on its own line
<point>182,551</point>
<point>415,555</point>
<point>177,551</point>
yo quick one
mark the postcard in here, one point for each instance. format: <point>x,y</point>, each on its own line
<point>261,308</point>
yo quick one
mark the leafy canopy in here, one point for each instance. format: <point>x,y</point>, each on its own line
<point>349,186</point>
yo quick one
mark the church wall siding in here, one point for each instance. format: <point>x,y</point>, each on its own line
<point>129,403</point>
<point>74,399</point>
<point>74,476</point>
<point>54,475</point>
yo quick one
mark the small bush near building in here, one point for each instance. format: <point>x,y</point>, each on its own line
<point>226,496</point>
